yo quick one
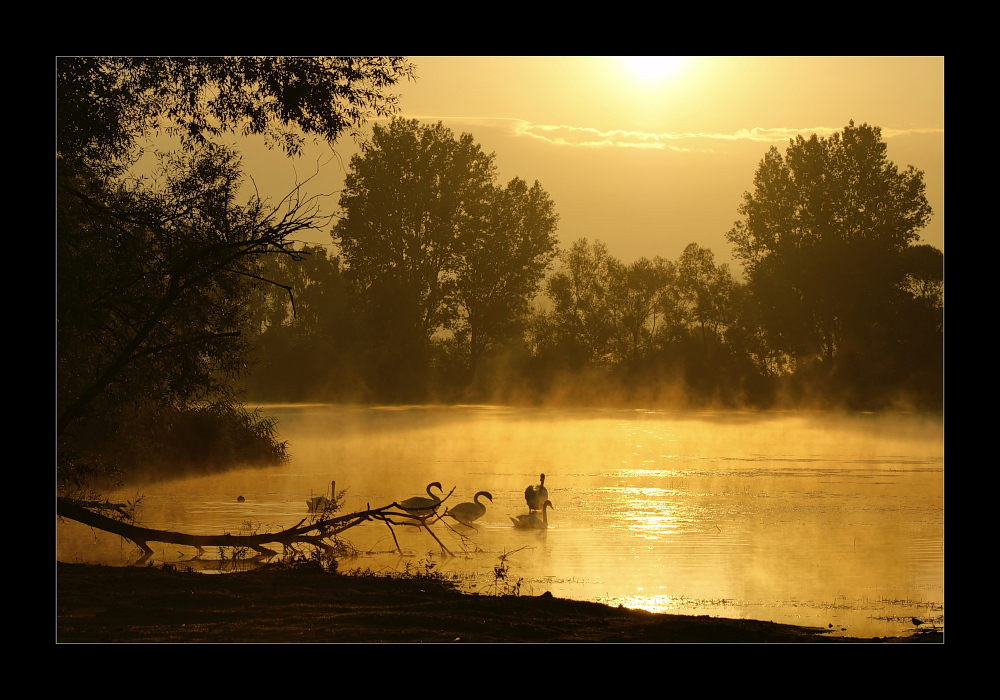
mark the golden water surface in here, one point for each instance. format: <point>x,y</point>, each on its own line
<point>806,518</point>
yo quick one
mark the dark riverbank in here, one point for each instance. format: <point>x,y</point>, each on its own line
<point>110,604</point>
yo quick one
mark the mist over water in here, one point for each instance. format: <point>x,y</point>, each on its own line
<point>804,518</point>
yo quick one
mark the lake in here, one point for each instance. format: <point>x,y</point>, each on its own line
<point>811,518</point>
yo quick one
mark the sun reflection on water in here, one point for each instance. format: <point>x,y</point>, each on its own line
<point>648,511</point>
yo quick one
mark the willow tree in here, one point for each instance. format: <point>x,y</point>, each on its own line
<point>154,275</point>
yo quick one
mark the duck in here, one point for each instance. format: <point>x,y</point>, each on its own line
<point>466,513</point>
<point>532,521</point>
<point>536,495</point>
<point>418,505</point>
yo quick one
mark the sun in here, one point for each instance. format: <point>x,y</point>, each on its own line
<point>653,69</point>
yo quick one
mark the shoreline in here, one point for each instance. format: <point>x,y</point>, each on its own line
<point>102,604</point>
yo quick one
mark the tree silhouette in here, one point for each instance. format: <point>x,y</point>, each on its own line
<point>578,290</point>
<point>155,275</point>
<point>639,304</point>
<point>106,105</point>
<point>433,243</point>
<point>307,340</point>
<point>823,244</point>
<point>705,291</point>
<point>502,260</point>
<point>150,284</point>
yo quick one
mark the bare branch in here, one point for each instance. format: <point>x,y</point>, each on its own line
<point>317,533</point>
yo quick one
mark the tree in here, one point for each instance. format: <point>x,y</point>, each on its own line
<point>638,295</point>
<point>148,282</point>
<point>578,290</point>
<point>823,243</point>
<point>106,105</point>
<point>705,291</point>
<point>304,343</point>
<point>154,276</point>
<point>923,267</point>
<point>606,312</point>
<point>404,207</point>
<point>503,258</point>
<point>432,242</point>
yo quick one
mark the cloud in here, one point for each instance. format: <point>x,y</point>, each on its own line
<point>563,135</point>
<point>588,137</point>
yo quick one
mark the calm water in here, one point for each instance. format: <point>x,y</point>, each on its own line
<point>812,519</point>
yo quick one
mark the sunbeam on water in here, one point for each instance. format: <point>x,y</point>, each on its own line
<point>811,519</point>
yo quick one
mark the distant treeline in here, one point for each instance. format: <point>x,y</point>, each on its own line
<point>450,288</point>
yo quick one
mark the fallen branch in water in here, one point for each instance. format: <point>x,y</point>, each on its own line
<point>320,533</point>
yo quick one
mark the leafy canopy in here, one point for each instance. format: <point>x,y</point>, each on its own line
<point>828,242</point>
<point>434,243</point>
<point>106,104</point>
<point>837,190</point>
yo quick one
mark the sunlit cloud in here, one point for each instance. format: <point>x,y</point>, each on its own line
<point>562,135</point>
<point>589,137</point>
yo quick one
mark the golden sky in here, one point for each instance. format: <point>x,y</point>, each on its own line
<point>649,156</point>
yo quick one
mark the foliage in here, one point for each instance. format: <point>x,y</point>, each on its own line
<point>155,275</point>
<point>152,283</point>
<point>441,264</point>
<point>923,268</point>
<point>306,346</point>
<point>578,291</point>
<point>827,244</point>
<point>612,314</point>
<point>404,205</point>
<point>213,435</point>
<point>425,569</point>
<point>107,104</point>
<point>501,261</point>
<point>832,214</point>
<point>705,291</point>
<point>432,243</point>
<point>642,304</point>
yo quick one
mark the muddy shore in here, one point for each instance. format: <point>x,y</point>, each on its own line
<point>99,604</point>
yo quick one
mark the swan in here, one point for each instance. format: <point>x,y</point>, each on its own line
<point>465,513</point>
<point>533,522</point>
<point>418,505</point>
<point>318,504</point>
<point>536,495</point>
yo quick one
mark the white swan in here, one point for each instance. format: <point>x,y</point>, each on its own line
<point>532,521</point>
<point>418,505</point>
<point>536,495</point>
<point>466,513</point>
